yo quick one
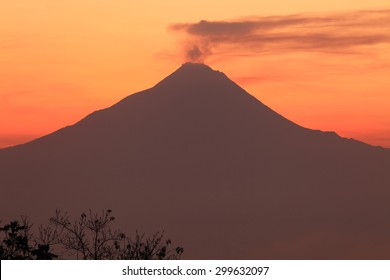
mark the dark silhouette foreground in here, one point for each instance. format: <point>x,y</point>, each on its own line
<point>90,237</point>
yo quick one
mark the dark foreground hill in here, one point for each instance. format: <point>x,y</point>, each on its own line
<point>222,173</point>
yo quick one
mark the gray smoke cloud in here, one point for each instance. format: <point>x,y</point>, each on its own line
<point>194,54</point>
<point>337,32</point>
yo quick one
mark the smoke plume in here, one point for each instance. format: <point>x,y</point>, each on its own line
<point>337,32</point>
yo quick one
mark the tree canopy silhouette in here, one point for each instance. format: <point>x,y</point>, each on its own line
<point>19,244</point>
<point>89,237</point>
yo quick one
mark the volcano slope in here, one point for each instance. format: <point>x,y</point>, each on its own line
<point>223,174</point>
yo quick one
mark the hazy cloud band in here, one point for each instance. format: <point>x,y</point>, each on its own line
<point>338,32</point>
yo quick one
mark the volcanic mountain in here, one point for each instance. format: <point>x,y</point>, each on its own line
<point>223,174</point>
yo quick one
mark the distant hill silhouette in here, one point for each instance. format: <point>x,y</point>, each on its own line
<point>223,174</point>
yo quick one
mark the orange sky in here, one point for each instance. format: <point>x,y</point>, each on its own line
<point>61,60</point>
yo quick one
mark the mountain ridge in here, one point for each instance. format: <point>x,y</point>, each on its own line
<point>190,74</point>
<point>198,156</point>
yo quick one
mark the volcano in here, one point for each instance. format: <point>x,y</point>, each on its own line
<point>222,173</point>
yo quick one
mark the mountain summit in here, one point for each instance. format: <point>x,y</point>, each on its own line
<point>222,173</point>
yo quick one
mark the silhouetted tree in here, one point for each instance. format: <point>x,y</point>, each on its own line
<point>47,239</point>
<point>91,237</point>
<point>19,244</point>
<point>154,248</point>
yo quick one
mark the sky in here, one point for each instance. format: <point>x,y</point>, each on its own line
<point>324,65</point>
